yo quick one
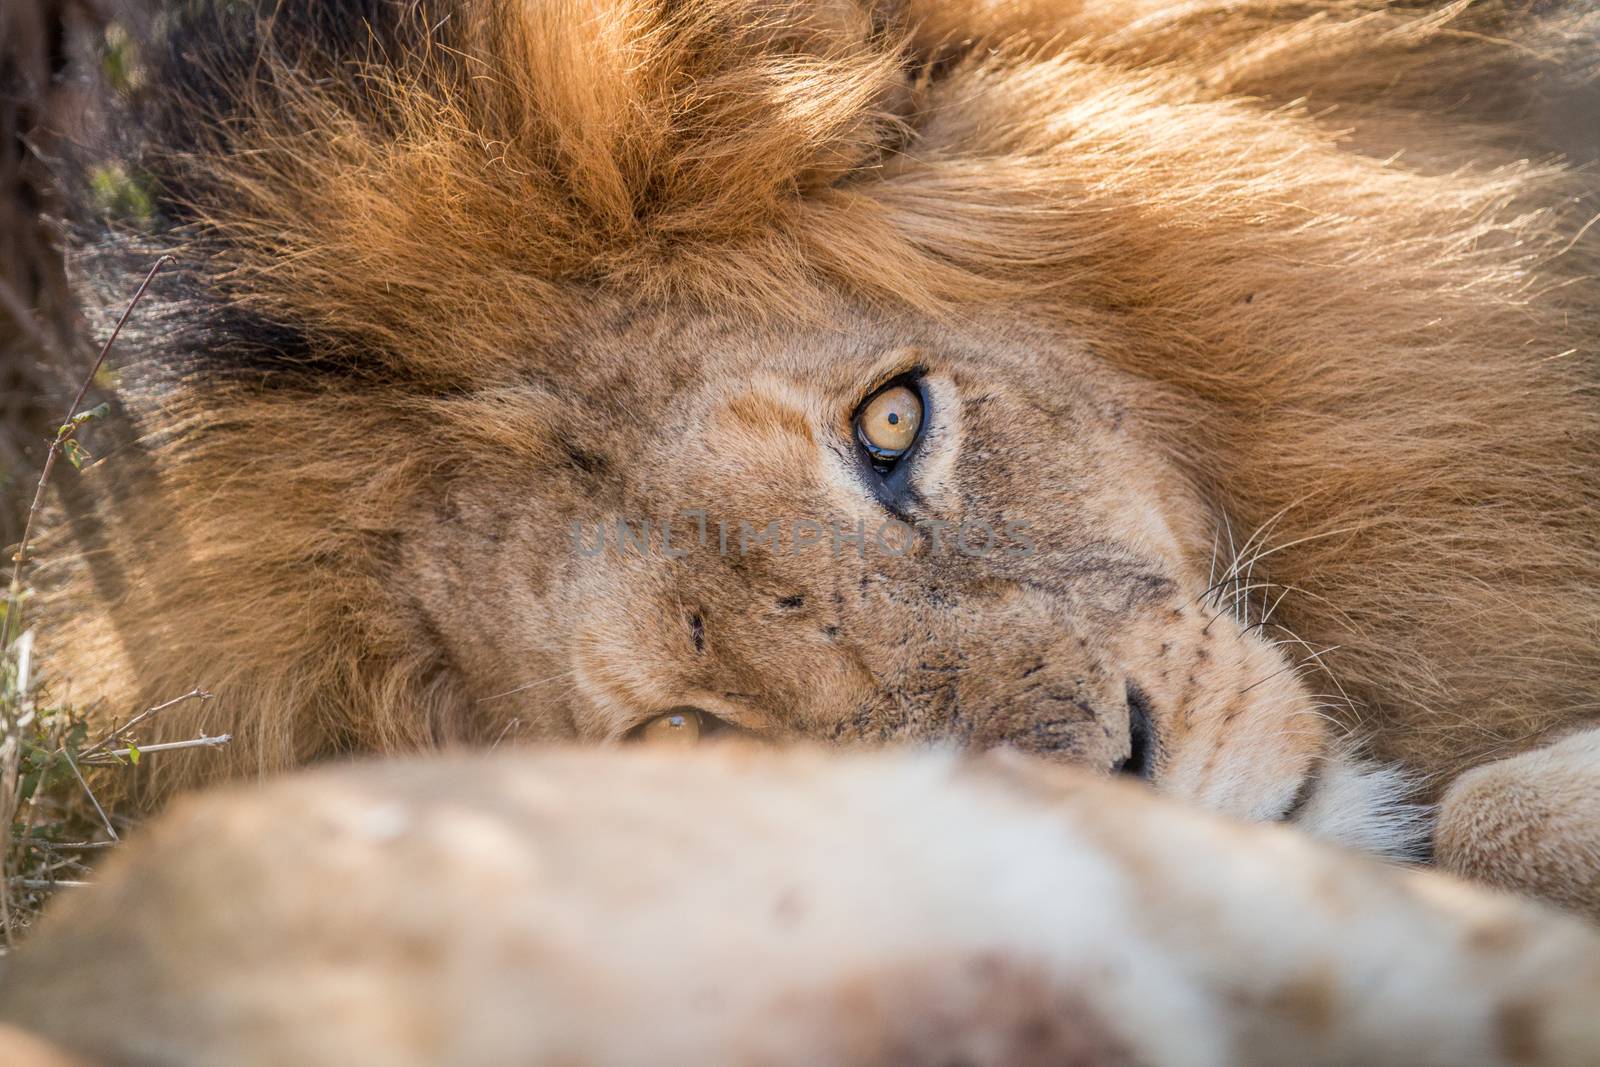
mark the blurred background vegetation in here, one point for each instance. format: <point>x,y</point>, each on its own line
<point>48,50</point>
<point>56,57</point>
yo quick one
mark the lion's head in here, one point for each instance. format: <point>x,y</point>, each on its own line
<point>937,372</point>
<point>875,530</point>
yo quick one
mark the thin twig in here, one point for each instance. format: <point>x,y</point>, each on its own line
<point>48,845</point>
<point>46,883</point>
<point>118,731</point>
<point>104,819</point>
<point>14,590</point>
<point>53,866</point>
<point>118,755</point>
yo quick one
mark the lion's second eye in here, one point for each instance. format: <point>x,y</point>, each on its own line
<point>888,423</point>
<point>680,727</point>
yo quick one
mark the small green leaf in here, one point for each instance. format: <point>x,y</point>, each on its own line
<point>99,411</point>
<point>133,753</point>
<point>77,455</point>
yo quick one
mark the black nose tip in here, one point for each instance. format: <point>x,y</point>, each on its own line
<point>1141,737</point>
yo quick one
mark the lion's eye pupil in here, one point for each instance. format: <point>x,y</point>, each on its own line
<point>888,423</point>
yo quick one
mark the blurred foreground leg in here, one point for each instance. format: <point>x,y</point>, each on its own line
<point>736,906</point>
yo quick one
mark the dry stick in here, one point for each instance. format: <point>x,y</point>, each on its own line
<point>110,830</point>
<point>118,731</point>
<point>10,731</point>
<point>54,865</point>
<point>117,755</point>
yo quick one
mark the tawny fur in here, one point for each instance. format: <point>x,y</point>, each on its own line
<point>1530,822</point>
<point>763,907</point>
<point>1360,320</point>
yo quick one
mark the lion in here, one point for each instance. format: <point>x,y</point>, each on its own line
<point>1203,392</point>
<point>555,907</point>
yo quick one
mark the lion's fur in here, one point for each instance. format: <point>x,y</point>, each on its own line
<point>735,907</point>
<point>1363,311</point>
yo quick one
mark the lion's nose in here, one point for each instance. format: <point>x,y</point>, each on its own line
<point>1141,737</point>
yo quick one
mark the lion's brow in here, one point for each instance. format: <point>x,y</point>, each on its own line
<point>766,414</point>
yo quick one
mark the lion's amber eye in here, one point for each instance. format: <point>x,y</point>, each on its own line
<point>888,423</point>
<point>679,727</point>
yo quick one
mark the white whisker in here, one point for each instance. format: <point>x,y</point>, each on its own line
<point>529,685</point>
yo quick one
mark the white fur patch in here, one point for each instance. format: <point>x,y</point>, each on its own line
<point>1367,806</point>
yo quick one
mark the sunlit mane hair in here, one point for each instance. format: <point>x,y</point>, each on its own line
<point>1272,212</point>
